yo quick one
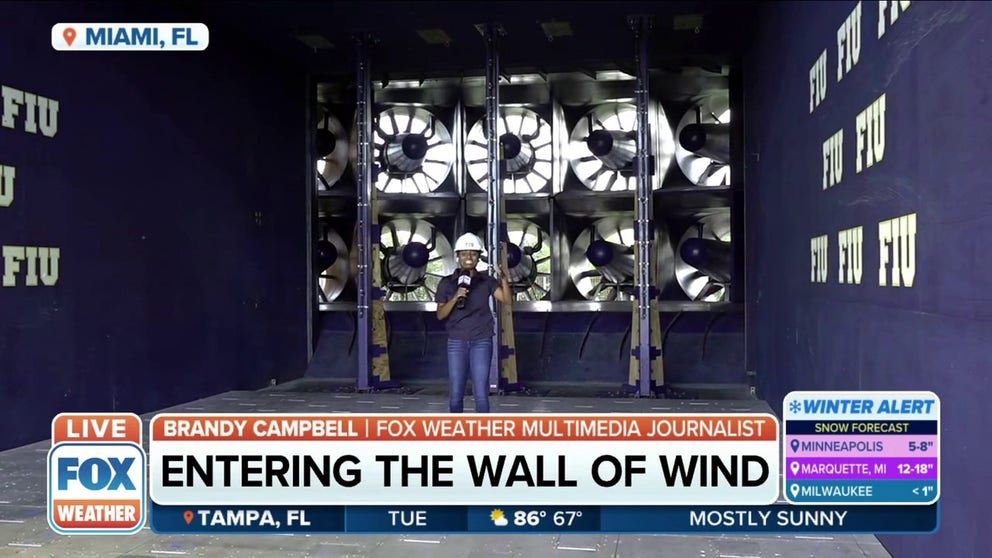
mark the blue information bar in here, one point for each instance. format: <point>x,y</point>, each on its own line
<point>868,491</point>
<point>781,518</point>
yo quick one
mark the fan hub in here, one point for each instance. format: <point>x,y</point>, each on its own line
<point>600,253</point>
<point>327,254</point>
<point>693,137</point>
<point>511,145</point>
<point>712,257</point>
<point>415,146</point>
<point>416,254</point>
<point>325,142</point>
<point>513,255</point>
<point>600,142</point>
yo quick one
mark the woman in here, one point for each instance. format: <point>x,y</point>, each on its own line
<point>463,306</point>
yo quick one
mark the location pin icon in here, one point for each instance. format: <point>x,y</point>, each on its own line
<point>794,489</point>
<point>794,467</point>
<point>70,35</point>
<point>794,444</point>
<point>188,516</point>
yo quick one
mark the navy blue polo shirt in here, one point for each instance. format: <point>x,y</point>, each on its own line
<point>475,320</point>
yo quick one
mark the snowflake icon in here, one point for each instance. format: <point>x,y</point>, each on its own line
<point>795,407</point>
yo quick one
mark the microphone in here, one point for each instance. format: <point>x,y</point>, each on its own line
<point>464,280</point>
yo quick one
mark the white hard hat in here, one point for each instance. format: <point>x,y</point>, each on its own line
<point>468,241</point>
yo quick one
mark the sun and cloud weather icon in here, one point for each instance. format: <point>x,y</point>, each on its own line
<point>499,519</point>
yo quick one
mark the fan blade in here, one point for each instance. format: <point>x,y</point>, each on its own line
<point>519,148</point>
<point>332,151</point>
<point>421,256</point>
<point>704,259</point>
<point>402,154</point>
<point>703,147</point>
<point>600,148</point>
<point>333,277</point>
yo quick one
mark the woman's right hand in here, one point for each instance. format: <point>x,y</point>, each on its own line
<point>462,292</point>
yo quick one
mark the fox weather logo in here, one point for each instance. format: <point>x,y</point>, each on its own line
<point>96,485</point>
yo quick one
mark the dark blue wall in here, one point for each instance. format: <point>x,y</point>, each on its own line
<point>933,66</point>
<point>168,288</point>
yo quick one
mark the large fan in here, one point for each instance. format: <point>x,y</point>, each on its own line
<point>412,149</point>
<point>703,149</point>
<point>705,259</point>
<point>602,260</point>
<point>526,144</point>
<point>415,257</point>
<point>528,259</point>
<point>331,264</point>
<point>602,147</point>
<point>331,149</point>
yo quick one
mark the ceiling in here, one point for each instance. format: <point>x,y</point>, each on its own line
<point>600,34</point>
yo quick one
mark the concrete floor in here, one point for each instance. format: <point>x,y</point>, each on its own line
<point>24,529</point>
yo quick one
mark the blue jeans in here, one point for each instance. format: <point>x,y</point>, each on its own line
<point>464,357</point>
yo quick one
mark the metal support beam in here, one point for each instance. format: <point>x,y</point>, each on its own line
<point>313,285</point>
<point>737,149</point>
<point>494,192</point>
<point>645,235</point>
<point>739,213</point>
<point>363,125</point>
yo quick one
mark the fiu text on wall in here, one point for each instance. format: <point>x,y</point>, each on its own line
<point>24,264</point>
<point>896,235</point>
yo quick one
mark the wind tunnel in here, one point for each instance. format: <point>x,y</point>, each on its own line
<point>691,210</point>
<point>529,164</point>
<point>566,145</point>
<point>596,207</point>
<point>388,197</point>
<point>415,143</point>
